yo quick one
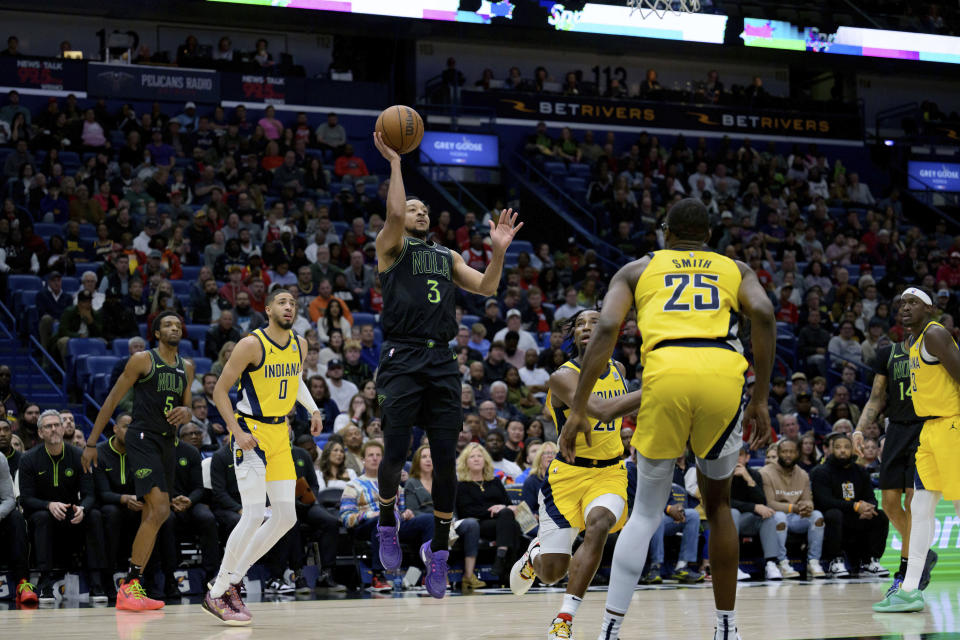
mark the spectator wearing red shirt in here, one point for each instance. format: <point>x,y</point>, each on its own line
<point>537,319</point>
<point>787,311</point>
<point>950,273</point>
<point>476,255</point>
<point>464,232</point>
<point>349,164</point>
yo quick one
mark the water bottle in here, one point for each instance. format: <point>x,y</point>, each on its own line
<point>397,582</point>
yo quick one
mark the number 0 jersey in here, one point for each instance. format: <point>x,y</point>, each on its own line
<point>935,393</point>
<point>270,388</point>
<point>419,296</point>
<point>684,295</point>
<point>605,436</point>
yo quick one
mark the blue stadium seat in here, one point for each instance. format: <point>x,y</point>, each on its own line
<point>87,232</point>
<point>19,283</point>
<point>93,365</point>
<point>377,336</point>
<point>71,285</point>
<point>879,271</point>
<point>340,227</point>
<point>190,274</point>
<point>143,331</point>
<point>470,320</point>
<point>181,287</point>
<point>69,158</point>
<point>581,170</point>
<point>854,271</point>
<point>522,245</point>
<point>197,331</point>
<point>360,318</point>
<point>201,365</point>
<point>572,184</point>
<point>83,267</point>
<point>78,350</point>
<point>187,349</point>
<point>555,169</point>
<point>545,339</point>
<point>47,229</point>
<point>121,347</point>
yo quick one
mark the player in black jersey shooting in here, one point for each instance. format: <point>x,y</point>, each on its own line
<point>161,384</point>
<point>418,382</point>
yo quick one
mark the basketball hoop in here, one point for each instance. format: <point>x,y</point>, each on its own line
<point>661,7</point>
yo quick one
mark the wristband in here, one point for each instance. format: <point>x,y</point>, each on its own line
<point>789,508</point>
<point>91,446</point>
<point>856,506</point>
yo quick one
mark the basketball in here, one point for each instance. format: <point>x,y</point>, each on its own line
<point>401,128</point>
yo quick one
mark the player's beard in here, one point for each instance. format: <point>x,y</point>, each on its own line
<point>283,324</point>
<point>416,233</point>
<point>171,341</point>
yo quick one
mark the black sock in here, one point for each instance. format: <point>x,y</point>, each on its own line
<point>388,516</point>
<point>441,534</point>
<point>902,571</point>
<point>134,573</point>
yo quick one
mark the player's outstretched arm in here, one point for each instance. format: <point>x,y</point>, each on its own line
<point>249,351</point>
<point>390,239</point>
<point>306,400</point>
<point>138,365</point>
<point>878,399</point>
<point>486,283</point>
<point>763,333</point>
<point>939,343</point>
<point>563,386</point>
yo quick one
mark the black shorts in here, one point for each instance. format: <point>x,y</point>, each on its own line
<point>898,464</point>
<point>152,460</point>
<point>418,386</point>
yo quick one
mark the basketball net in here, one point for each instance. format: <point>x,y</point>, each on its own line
<point>661,7</point>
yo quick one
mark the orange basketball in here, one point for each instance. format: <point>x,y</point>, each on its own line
<point>401,128</point>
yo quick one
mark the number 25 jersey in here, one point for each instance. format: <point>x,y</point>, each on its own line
<point>683,295</point>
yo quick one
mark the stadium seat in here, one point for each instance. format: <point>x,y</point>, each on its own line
<point>469,320</point>
<point>19,283</point>
<point>197,331</point>
<point>79,349</point>
<point>340,227</point>
<point>201,365</point>
<point>187,349</point>
<point>181,288</point>
<point>190,274</point>
<point>572,184</point>
<point>46,230</point>
<point>87,232</point>
<point>581,170</point>
<point>121,347</point>
<point>521,246</point>
<point>71,285</point>
<point>360,318</point>
<point>555,169</point>
<point>83,267</point>
<point>93,365</point>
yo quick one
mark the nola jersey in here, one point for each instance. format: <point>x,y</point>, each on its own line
<point>419,297</point>
<point>605,436</point>
<point>156,393</point>
<point>935,393</point>
<point>683,295</point>
<point>270,388</point>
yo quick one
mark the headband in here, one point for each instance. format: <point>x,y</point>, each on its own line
<point>913,291</point>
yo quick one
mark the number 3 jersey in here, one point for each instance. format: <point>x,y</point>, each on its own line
<point>419,296</point>
<point>270,388</point>
<point>605,440</point>
<point>687,295</point>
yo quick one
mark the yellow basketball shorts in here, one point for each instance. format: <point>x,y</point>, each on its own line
<point>938,457</point>
<point>567,491</point>
<point>690,395</point>
<point>273,448</point>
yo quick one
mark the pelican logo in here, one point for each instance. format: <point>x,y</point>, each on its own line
<point>299,463</point>
<point>381,398</point>
<point>703,118</point>
<point>183,462</point>
<point>518,105</point>
<point>68,473</point>
<point>143,473</point>
<point>116,79</point>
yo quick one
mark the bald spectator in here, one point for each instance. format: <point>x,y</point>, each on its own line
<point>88,283</point>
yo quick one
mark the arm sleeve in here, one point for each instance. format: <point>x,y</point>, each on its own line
<point>740,495</point>
<point>102,488</point>
<point>196,478</point>
<point>7,502</point>
<point>218,478</point>
<point>305,399</point>
<point>28,487</point>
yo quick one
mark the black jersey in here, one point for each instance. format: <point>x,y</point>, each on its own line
<point>157,393</point>
<point>419,297</point>
<point>893,361</point>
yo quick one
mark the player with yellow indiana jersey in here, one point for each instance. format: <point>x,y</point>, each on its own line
<point>587,491</point>
<point>688,300</point>
<point>267,363</point>
<point>935,391</point>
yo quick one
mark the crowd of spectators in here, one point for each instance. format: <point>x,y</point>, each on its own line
<point>250,204</point>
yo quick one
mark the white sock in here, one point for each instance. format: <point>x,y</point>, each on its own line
<point>922,509</point>
<point>570,604</point>
<point>681,565</point>
<point>726,625</point>
<point>610,630</point>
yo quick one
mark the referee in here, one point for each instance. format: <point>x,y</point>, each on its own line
<point>891,394</point>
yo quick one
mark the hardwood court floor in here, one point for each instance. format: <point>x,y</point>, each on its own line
<point>765,612</point>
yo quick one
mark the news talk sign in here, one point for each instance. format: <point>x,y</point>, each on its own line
<point>738,121</point>
<point>152,83</point>
<point>49,74</point>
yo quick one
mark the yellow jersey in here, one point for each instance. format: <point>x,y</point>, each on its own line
<point>270,389</point>
<point>934,391</point>
<point>684,295</point>
<point>606,443</point>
